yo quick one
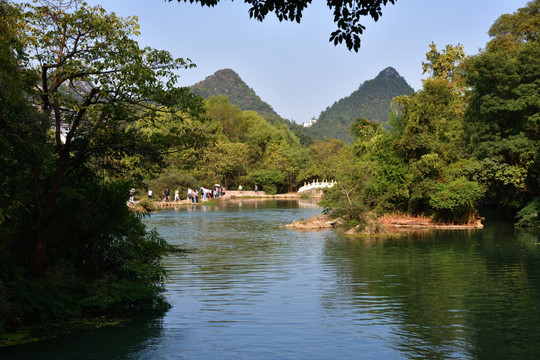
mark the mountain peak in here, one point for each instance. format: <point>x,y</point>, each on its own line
<point>371,101</point>
<point>225,72</point>
<point>389,72</point>
<point>226,82</point>
<point>227,76</point>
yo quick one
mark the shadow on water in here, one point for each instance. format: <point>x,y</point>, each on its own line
<point>127,342</point>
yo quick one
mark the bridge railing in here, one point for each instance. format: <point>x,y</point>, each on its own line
<point>316,184</point>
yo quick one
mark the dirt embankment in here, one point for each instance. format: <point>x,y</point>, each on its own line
<point>314,223</point>
<point>404,222</point>
<point>383,225</point>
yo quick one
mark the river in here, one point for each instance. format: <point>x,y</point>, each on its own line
<point>251,289</point>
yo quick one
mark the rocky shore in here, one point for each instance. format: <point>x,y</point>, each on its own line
<point>385,224</point>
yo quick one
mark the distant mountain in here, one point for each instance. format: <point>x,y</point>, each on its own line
<point>228,83</point>
<point>371,101</point>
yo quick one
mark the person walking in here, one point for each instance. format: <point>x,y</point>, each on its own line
<point>176,195</point>
<point>167,194</point>
<point>203,192</point>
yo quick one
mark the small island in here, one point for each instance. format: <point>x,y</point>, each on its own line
<point>386,224</point>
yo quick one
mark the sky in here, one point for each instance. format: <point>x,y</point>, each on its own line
<point>293,67</point>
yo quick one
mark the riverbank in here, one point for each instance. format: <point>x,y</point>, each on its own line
<point>145,205</point>
<point>386,224</point>
<point>318,222</point>
<point>412,222</point>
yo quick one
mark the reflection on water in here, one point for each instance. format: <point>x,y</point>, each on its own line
<point>443,294</point>
<point>253,289</point>
<point>124,343</point>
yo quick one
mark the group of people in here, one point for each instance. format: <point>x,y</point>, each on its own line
<point>216,192</point>
<point>192,194</point>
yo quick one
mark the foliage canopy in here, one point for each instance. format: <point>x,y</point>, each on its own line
<point>503,118</point>
<point>347,14</point>
<point>75,88</point>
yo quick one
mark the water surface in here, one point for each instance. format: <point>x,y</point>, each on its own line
<point>252,289</point>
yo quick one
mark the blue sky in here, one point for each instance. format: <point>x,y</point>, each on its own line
<point>292,66</point>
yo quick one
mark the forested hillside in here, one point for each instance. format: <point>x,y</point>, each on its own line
<point>227,82</point>
<point>371,101</point>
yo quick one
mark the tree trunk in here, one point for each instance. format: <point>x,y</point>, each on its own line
<point>46,212</point>
<point>41,246</point>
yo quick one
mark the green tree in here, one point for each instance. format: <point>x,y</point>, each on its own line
<point>228,161</point>
<point>316,163</point>
<point>221,111</point>
<point>365,133</point>
<point>511,30</point>
<point>455,200</point>
<point>431,122</point>
<point>280,156</point>
<point>249,149</point>
<point>23,130</point>
<point>247,126</point>
<point>268,180</point>
<point>103,259</point>
<point>444,64</point>
<point>351,197</point>
<point>347,14</point>
<point>428,137</point>
<point>163,142</point>
<point>95,80</point>
<point>503,119</point>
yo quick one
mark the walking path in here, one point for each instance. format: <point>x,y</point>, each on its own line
<point>229,195</point>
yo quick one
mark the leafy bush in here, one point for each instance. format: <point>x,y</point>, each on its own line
<point>173,179</point>
<point>456,200</point>
<point>529,216</point>
<point>147,204</point>
<point>270,181</point>
<point>352,208</point>
<point>100,259</point>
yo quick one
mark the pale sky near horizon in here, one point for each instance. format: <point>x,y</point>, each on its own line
<point>293,67</point>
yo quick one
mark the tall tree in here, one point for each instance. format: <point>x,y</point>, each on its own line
<point>347,14</point>
<point>350,197</point>
<point>444,64</point>
<point>22,129</point>
<point>228,161</point>
<point>503,119</point>
<point>429,138</point>
<point>319,156</point>
<point>95,81</point>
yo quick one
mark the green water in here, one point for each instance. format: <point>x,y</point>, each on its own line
<point>254,290</point>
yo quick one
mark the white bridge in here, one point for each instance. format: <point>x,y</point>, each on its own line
<point>316,185</point>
